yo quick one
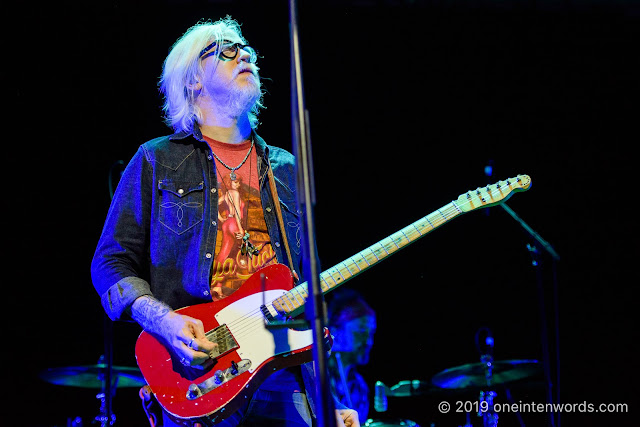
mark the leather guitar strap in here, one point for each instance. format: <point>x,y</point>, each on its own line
<point>283,230</point>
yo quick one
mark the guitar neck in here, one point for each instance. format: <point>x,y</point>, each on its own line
<point>292,303</point>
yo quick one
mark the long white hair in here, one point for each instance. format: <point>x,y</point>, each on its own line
<point>182,68</point>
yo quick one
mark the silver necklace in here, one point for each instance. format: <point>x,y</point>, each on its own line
<point>232,175</point>
<point>246,247</point>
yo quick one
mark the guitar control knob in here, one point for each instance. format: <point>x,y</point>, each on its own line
<point>193,392</point>
<point>234,368</point>
<point>218,377</point>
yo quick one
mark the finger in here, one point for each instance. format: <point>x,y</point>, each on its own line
<point>201,342</point>
<point>191,329</point>
<point>193,344</point>
<point>199,329</point>
<point>198,350</point>
<point>194,327</point>
<point>202,345</point>
<point>349,417</point>
<point>354,420</point>
<point>201,361</point>
<point>196,359</point>
<point>184,361</point>
<point>194,339</point>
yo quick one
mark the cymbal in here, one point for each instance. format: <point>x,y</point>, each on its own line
<point>474,374</point>
<point>92,376</point>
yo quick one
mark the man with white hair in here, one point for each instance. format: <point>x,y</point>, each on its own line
<point>195,215</point>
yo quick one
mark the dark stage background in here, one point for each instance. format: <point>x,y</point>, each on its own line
<point>409,101</point>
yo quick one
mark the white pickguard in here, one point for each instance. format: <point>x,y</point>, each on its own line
<point>257,343</point>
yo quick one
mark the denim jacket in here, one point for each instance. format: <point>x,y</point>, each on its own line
<point>160,232</point>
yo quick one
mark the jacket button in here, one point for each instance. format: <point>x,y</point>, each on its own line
<point>268,209</point>
<point>205,293</point>
<point>180,191</point>
<point>208,255</point>
<point>277,244</point>
<point>213,190</point>
<point>213,223</point>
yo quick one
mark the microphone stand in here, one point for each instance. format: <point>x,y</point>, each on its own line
<point>314,307</point>
<point>107,417</point>
<point>535,254</point>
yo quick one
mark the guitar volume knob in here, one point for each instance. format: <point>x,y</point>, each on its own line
<point>218,377</point>
<point>193,392</point>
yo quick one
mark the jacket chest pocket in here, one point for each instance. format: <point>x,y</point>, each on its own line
<point>181,204</point>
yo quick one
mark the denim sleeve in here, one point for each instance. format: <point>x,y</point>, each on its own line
<point>119,297</point>
<point>120,265</point>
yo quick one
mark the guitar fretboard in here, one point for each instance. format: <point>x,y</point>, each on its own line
<point>293,301</point>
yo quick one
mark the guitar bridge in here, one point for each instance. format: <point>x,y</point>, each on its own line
<point>226,343</point>
<point>225,340</point>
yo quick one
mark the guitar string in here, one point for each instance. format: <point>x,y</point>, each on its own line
<point>235,327</point>
<point>449,209</point>
<point>390,245</point>
<point>239,327</point>
<point>240,331</point>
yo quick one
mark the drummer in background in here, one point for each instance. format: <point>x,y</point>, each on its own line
<point>352,323</point>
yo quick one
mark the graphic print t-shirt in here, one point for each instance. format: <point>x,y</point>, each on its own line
<point>239,211</point>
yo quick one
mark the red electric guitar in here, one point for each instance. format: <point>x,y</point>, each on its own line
<point>248,352</point>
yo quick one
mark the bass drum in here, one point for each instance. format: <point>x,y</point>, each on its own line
<point>390,422</point>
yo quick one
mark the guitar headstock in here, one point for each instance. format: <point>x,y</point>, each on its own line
<point>492,194</point>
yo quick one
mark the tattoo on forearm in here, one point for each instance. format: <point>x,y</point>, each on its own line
<point>149,312</point>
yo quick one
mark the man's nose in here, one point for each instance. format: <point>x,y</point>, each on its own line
<point>243,55</point>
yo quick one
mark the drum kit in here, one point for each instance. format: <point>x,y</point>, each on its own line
<point>481,378</point>
<point>94,377</point>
